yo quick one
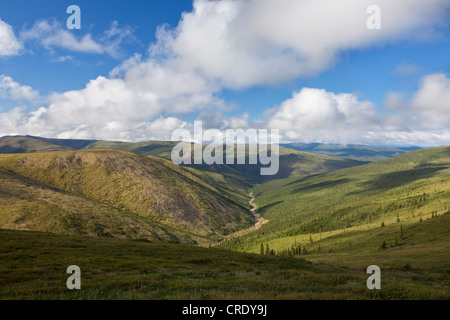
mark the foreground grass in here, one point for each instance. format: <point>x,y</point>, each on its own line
<point>414,251</point>
<point>33,266</point>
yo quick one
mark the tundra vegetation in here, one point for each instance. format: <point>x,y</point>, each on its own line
<point>142,227</point>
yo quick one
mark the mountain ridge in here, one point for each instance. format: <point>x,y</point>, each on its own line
<point>152,188</point>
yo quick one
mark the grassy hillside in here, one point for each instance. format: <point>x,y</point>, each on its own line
<point>147,148</point>
<point>394,212</point>
<point>33,266</point>
<point>152,188</point>
<point>27,204</point>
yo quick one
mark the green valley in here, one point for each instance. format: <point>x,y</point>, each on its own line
<point>393,213</point>
<point>141,225</point>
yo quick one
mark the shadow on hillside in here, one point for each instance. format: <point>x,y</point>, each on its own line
<point>333,165</point>
<point>302,179</point>
<point>397,179</point>
<point>24,181</point>
<point>263,209</point>
<point>146,149</point>
<point>324,184</point>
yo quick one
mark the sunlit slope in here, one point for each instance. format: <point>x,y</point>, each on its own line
<point>406,188</point>
<point>147,148</point>
<point>149,187</point>
<point>27,204</point>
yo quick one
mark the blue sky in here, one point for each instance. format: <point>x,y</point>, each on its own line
<point>143,16</point>
<point>229,63</point>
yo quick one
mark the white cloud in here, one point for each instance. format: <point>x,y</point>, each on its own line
<point>314,115</point>
<point>124,108</point>
<point>434,94</point>
<point>311,115</point>
<point>317,115</point>
<point>432,101</point>
<point>254,42</point>
<point>18,121</point>
<point>9,44</point>
<point>51,34</point>
<point>114,37</point>
<point>429,107</point>
<point>238,44</point>
<point>9,89</point>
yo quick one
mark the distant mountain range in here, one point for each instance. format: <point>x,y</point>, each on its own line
<point>29,144</point>
<point>351,150</point>
<point>293,163</point>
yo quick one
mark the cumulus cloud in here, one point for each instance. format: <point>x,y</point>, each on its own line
<point>429,107</point>
<point>258,42</point>
<point>314,115</point>
<point>10,89</point>
<point>124,108</point>
<point>434,95</point>
<point>317,115</point>
<point>311,115</point>
<point>19,121</point>
<point>238,44</point>
<point>9,44</point>
<point>144,91</point>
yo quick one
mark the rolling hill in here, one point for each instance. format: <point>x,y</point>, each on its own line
<point>207,205</point>
<point>393,212</point>
<point>103,206</point>
<point>293,163</point>
<point>27,204</point>
<point>29,144</point>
